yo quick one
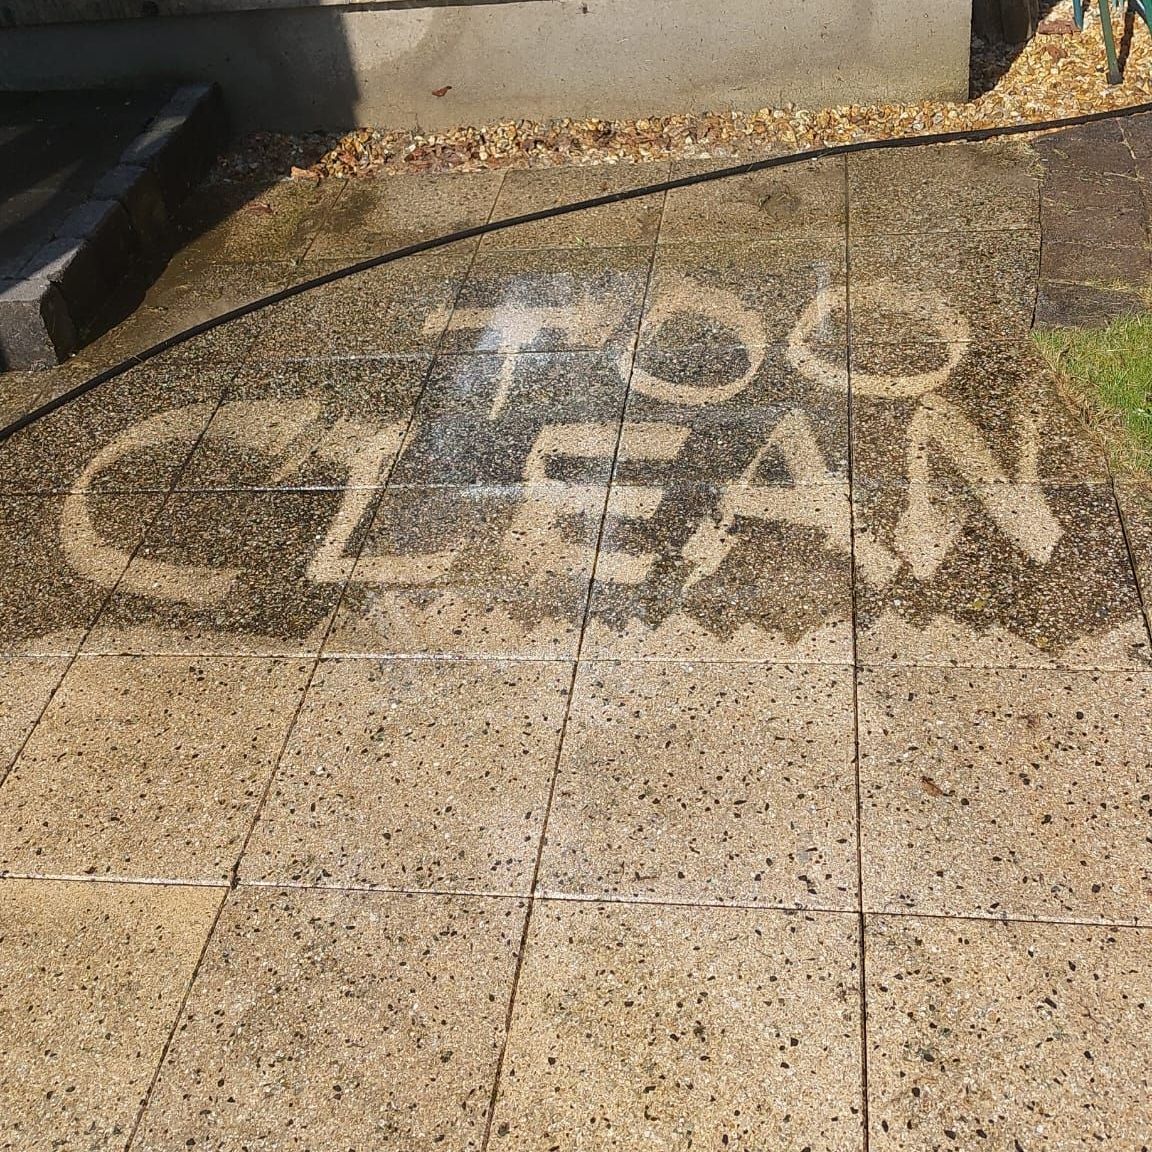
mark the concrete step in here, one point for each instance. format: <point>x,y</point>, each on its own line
<point>88,200</point>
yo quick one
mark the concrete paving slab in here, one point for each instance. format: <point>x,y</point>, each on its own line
<point>376,216</point>
<point>1107,210</point>
<point>943,288</point>
<point>60,558</point>
<point>1110,265</point>
<point>191,291</point>
<point>1106,197</point>
<point>238,222</point>
<point>473,621</point>
<point>550,300</point>
<point>984,1032</point>
<point>792,446</point>
<point>25,688</point>
<point>1021,575</point>
<point>683,1026</point>
<point>740,295</point>
<point>704,783</point>
<point>1093,209</point>
<point>1084,305</point>
<point>405,774</point>
<point>491,419</point>
<point>989,792</point>
<point>447,451</point>
<point>756,416</point>
<point>800,200</point>
<point>163,762</point>
<point>629,224</point>
<point>389,1008</point>
<point>133,435</point>
<point>233,572</point>
<point>393,310</point>
<point>93,977</point>
<point>442,493</point>
<point>706,370</point>
<point>496,571</point>
<point>552,387</point>
<point>1136,132</point>
<point>951,188</point>
<point>308,424</point>
<point>964,413</point>
<point>739,572</point>
<point>1102,148</point>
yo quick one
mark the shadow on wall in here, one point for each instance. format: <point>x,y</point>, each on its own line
<point>300,54</point>
<point>56,145</point>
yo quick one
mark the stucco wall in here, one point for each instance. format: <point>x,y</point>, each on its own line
<point>336,65</point>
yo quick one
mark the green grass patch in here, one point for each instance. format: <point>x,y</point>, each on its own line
<point>1109,375</point>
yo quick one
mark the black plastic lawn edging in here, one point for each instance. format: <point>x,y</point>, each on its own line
<point>969,136</point>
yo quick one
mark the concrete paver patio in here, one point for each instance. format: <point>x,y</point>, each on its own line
<point>674,678</point>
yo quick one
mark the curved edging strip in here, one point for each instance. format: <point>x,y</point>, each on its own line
<point>973,135</point>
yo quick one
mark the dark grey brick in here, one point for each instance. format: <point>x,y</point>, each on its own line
<point>36,329</point>
<point>138,191</point>
<point>1083,306</point>
<point>74,267</point>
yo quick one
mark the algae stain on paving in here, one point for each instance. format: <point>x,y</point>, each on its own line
<point>678,500</point>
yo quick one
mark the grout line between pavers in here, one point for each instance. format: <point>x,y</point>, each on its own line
<point>541,894</point>
<point>74,655</point>
<point>989,918</point>
<point>1134,669</point>
<point>792,663</point>
<point>875,483</point>
<point>862,957</point>
<point>176,1018</point>
<point>546,897</point>
<point>386,485</point>
<point>172,490</point>
<point>1143,595</point>
<point>369,516</point>
<point>113,879</point>
<point>590,589</point>
<point>10,767</point>
<point>325,218</point>
<point>315,657</point>
<point>229,888</point>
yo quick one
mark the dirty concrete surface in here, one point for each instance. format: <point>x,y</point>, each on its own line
<point>671,678</point>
